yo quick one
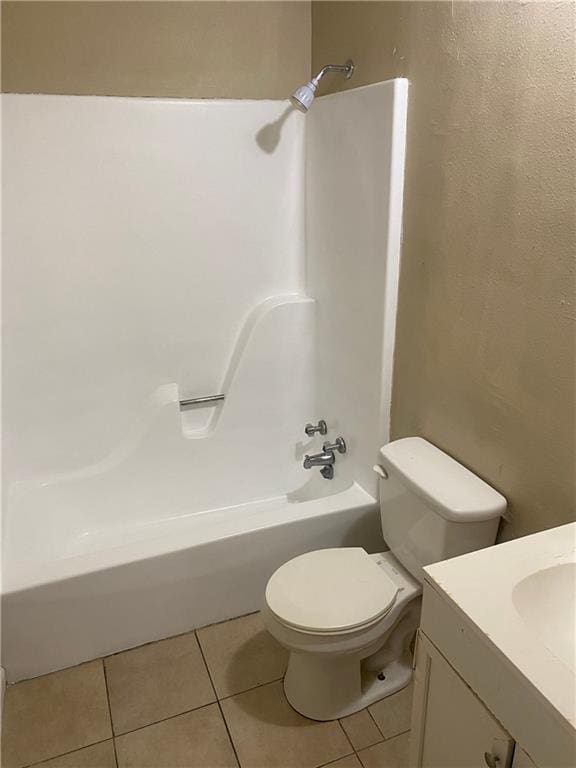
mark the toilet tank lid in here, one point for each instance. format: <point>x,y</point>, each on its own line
<point>455,492</point>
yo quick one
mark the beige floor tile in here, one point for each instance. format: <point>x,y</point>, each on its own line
<point>268,733</point>
<point>97,756</point>
<point>241,654</point>
<point>157,681</point>
<point>393,713</point>
<point>55,714</point>
<point>350,761</point>
<point>361,730</point>
<point>388,754</point>
<point>195,740</point>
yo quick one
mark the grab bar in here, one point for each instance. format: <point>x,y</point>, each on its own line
<point>208,400</point>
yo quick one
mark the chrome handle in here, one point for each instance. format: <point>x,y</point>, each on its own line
<point>338,445</point>
<point>321,428</point>
<point>491,760</point>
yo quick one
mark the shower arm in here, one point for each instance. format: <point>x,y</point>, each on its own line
<point>347,68</point>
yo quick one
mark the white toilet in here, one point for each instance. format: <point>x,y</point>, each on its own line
<point>348,618</point>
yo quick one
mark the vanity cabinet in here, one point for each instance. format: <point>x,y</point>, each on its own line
<point>451,727</point>
<point>490,691</point>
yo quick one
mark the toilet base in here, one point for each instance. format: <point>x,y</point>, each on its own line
<point>340,688</point>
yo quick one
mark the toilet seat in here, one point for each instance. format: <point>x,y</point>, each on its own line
<point>331,591</point>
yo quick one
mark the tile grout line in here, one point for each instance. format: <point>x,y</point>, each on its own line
<point>224,621</point>
<point>364,749</point>
<point>170,717</point>
<point>93,743</point>
<point>207,669</point>
<point>252,688</point>
<point>179,714</point>
<point>261,685</point>
<point>359,749</point>
<point>402,733</point>
<point>192,709</point>
<point>371,716</point>
<point>187,711</point>
<point>337,760</point>
<point>218,701</point>
<point>64,754</point>
<point>348,739</point>
<point>229,734</point>
<point>110,713</point>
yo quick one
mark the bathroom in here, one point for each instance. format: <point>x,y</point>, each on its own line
<point>289,385</point>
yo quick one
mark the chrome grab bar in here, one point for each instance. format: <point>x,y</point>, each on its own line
<point>207,400</point>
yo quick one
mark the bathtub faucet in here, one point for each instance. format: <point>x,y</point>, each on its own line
<point>325,459</point>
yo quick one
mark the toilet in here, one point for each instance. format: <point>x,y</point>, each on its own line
<point>349,618</point>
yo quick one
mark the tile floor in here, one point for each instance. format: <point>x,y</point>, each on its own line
<point>208,699</point>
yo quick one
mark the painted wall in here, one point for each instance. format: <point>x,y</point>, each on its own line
<point>485,355</point>
<point>249,50</point>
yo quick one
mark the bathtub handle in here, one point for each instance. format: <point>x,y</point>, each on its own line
<point>202,401</point>
<point>321,428</point>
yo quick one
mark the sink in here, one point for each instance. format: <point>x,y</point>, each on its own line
<point>545,601</point>
<point>510,630</point>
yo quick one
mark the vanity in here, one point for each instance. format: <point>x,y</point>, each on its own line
<point>495,679</point>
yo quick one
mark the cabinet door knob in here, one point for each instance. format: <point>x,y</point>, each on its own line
<point>492,761</point>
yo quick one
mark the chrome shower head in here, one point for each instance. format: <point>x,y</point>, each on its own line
<point>303,96</point>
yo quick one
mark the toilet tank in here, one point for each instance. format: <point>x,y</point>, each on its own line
<point>432,507</point>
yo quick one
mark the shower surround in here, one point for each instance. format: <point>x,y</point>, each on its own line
<point>160,250</point>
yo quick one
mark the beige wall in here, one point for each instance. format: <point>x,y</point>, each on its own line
<point>195,49</point>
<point>485,359</point>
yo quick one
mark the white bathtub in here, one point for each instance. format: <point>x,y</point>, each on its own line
<point>179,525</point>
<point>125,587</point>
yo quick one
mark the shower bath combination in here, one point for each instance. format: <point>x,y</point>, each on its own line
<point>303,96</point>
<point>137,510</point>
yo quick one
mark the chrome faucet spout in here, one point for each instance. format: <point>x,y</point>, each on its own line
<point>324,459</point>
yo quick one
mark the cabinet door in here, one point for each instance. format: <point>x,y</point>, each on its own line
<point>451,727</point>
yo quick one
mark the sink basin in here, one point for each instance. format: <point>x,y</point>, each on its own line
<point>545,601</point>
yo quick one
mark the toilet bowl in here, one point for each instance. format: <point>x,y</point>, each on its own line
<point>355,605</point>
<point>348,618</point>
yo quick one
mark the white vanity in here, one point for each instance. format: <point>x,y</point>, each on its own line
<point>495,680</point>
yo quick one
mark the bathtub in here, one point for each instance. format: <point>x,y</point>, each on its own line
<point>181,523</point>
<point>118,588</point>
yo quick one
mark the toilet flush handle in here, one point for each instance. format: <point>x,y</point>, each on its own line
<point>380,471</point>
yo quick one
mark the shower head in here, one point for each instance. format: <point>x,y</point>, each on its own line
<point>303,96</point>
